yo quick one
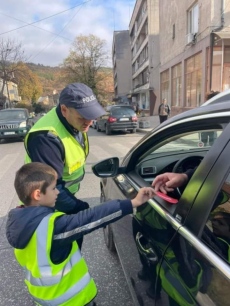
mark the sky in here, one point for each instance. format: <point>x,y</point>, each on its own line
<point>47,28</point>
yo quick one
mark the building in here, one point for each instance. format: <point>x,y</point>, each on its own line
<point>121,56</point>
<point>194,51</point>
<point>144,39</point>
<point>9,94</point>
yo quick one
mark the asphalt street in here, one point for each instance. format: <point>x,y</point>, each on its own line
<point>104,266</point>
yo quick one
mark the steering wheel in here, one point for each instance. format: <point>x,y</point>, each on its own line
<point>179,167</point>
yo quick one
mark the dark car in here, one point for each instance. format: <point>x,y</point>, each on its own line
<point>118,118</point>
<point>14,123</point>
<point>175,253</point>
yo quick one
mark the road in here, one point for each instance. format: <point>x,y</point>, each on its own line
<point>104,267</point>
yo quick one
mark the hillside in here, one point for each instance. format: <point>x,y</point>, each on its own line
<point>52,78</point>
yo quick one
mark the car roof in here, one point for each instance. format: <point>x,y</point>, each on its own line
<point>219,98</point>
<point>211,109</point>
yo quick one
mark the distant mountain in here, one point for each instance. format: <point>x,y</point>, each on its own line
<point>52,78</point>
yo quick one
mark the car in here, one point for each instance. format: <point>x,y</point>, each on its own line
<point>176,250</point>
<point>14,123</point>
<point>223,96</point>
<point>118,118</point>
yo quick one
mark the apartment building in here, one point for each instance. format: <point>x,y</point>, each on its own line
<point>145,57</point>
<point>121,55</point>
<point>194,51</point>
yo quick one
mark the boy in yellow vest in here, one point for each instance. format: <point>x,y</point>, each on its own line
<point>45,240</point>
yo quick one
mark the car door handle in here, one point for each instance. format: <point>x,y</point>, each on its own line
<point>145,249</point>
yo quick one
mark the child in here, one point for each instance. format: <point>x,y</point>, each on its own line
<point>45,240</point>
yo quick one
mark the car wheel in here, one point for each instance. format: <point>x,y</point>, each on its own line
<point>133,131</point>
<point>107,130</point>
<point>108,237</point>
<point>98,128</point>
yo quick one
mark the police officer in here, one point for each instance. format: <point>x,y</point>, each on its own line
<point>60,140</point>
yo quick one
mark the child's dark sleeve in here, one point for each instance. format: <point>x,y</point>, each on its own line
<point>69,228</point>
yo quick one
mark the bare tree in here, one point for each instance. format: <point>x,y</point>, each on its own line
<point>11,57</point>
<point>86,60</point>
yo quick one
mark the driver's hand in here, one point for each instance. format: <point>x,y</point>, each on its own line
<point>166,182</point>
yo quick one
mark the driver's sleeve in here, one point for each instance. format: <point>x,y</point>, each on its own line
<point>44,148</point>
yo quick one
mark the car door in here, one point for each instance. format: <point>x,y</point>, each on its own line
<point>102,121</point>
<point>195,268</point>
<point>155,225</point>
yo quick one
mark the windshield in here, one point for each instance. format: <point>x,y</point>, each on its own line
<point>12,114</point>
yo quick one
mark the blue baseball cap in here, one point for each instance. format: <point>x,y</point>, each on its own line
<point>80,97</point>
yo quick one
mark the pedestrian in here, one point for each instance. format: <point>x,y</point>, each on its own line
<point>164,111</point>
<point>45,239</point>
<point>60,140</point>
<point>137,109</point>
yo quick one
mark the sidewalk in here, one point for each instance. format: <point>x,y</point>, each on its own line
<point>153,121</point>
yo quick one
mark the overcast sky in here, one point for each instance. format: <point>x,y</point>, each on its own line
<point>48,41</point>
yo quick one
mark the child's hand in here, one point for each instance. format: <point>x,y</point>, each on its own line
<point>143,195</point>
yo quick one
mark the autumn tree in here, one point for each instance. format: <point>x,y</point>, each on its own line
<point>11,56</point>
<point>29,85</point>
<point>87,58</point>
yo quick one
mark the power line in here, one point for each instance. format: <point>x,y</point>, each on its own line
<point>44,18</point>
<point>32,57</point>
<point>34,26</point>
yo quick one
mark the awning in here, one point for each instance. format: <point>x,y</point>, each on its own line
<point>223,35</point>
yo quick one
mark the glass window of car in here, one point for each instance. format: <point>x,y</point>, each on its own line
<point>124,111</point>
<point>12,114</point>
<point>187,142</point>
<point>216,233</point>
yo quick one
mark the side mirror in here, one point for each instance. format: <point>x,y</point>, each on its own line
<point>106,168</point>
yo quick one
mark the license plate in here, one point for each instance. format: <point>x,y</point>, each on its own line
<point>9,133</point>
<point>124,119</point>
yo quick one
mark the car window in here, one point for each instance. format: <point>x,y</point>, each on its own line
<point>188,142</point>
<point>15,114</point>
<point>122,111</point>
<point>216,233</point>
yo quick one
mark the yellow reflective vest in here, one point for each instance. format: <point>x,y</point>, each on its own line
<point>64,284</point>
<point>75,155</point>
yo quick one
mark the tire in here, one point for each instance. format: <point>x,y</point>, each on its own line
<point>107,231</point>
<point>108,237</point>
<point>133,131</point>
<point>107,130</point>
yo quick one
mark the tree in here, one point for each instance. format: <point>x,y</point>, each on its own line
<point>11,55</point>
<point>29,85</point>
<point>85,62</point>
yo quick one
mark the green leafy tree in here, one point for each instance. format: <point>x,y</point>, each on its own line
<point>86,60</point>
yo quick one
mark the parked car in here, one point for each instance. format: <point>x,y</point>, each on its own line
<point>14,123</point>
<point>118,118</point>
<point>223,96</point>
<point>176,253</point>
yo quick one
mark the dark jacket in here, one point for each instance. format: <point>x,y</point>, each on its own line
<point>166,108</point>
<point>47,149</point>
<point>23,221</point>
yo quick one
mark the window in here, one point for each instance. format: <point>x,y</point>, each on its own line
<point>176,85</point>
<point>217,229</point>
<point>165,85</point>
<point>193,73</point>
<point>193,19</point>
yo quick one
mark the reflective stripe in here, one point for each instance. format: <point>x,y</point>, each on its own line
<point>74,290</point>
<point>76,181</point>
<point>88,226</point>
<point>47,280</point>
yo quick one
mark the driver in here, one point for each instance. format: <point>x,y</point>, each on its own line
<point>167,181</point>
